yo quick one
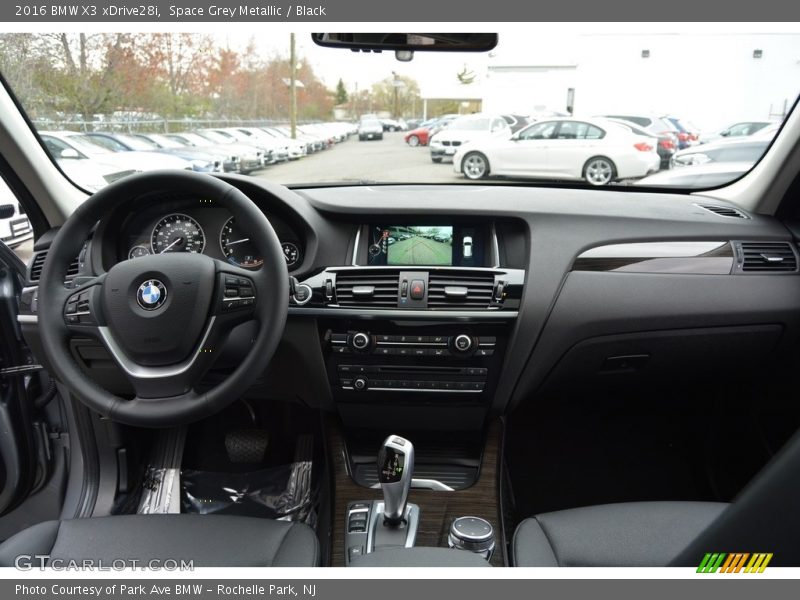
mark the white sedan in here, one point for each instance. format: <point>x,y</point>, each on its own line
<point>595,150</point>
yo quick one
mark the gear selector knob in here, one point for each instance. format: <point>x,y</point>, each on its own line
<point>395,470</point>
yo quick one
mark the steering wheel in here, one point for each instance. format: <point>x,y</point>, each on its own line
<point>163,318</point>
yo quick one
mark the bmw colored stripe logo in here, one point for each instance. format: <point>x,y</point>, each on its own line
<point>151,294</point>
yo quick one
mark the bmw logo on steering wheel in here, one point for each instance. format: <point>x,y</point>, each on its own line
<point>151,294</point>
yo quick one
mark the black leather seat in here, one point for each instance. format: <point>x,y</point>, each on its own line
<point>208,540</point>
<point>635,534</point>
<point>762,518</point>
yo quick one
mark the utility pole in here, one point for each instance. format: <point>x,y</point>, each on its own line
<point>395,84</point>
<point>292,87</point>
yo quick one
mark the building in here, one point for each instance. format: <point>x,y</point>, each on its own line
<point>711,80</point>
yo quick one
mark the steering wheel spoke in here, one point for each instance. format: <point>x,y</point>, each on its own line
<point>167,381</point>
<point>237,293</point>
<point>82,307</point>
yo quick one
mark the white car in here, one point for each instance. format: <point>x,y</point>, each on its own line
<point>595,150</point>
<point>91,174</point>
<point>370,130</point>
<point>467,246</point>
<point>15,227</point>
<point>740,130</point>
<point>69,145</point>
<point>463,130</point>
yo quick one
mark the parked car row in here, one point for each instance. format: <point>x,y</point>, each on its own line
<point>715,163</point>
<point>95,159</point>
<point>598,150</point>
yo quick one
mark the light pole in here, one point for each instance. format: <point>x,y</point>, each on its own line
<point>396,84</point>
<point>292,86</point>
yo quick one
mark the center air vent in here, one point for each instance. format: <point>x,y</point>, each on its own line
<point>373,287</point>
<point>38,264</point>
<point>724,211</point>
<point>766,257</point>
<point>460,289</point>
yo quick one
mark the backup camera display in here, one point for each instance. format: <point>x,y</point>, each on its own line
<point>411,245</point>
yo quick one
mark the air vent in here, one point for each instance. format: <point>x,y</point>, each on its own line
<point>767,257</point>
<point>460,289</point>
<point>373,287</point>
<point>38,264</point>
<point>724,211</point>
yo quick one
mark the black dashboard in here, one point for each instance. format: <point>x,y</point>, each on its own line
<point>463,301</point>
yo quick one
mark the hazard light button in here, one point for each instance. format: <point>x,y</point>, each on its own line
<point>417,291</point>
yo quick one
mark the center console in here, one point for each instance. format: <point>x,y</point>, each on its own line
<point>422,317</point>
<point>414,334</point>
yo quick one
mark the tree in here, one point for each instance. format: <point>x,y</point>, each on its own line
<point>407,99</point>
<point>341,92</point>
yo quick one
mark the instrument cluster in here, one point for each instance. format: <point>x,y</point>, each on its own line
<point>201,229</point>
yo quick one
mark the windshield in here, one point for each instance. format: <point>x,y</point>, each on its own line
<point>592,104</point>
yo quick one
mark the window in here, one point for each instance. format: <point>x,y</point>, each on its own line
<point>59,149</point>
<point>578,130</point>
<point>108,143</point>
<point>540,131</point>
<point>15,228</point>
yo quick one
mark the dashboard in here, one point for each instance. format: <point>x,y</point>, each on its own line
<point>463,301</point>
<point>194,225</point>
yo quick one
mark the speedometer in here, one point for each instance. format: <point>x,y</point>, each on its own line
<point>237,247</point>
<point>177,233</point>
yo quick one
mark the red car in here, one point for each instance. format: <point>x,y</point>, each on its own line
<point>422,134</point>
<point>418,136</point>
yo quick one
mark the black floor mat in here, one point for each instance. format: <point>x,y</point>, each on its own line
<point>205,443</point>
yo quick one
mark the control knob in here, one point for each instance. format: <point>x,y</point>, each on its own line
<point>361,341</point>
<point>462,343</point>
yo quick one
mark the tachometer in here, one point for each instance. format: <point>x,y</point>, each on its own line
<point>177,233</point>
<point>237,247</point>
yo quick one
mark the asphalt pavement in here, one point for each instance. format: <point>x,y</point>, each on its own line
<point>389,160</point>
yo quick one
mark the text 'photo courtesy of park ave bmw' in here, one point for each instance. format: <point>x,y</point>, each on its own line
<point>527,298</point>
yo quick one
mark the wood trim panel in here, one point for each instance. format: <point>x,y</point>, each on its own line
<point>437,509</point>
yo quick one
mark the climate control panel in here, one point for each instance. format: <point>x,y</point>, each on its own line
<point>382,362</point>
<point>460,345</point>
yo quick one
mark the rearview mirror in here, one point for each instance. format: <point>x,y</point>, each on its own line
<point>405,44</point>
<point>6,211</point>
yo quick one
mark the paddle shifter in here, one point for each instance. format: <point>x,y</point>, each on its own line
<point>395,470</point>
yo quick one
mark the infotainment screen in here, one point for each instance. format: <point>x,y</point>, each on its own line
<point>425,245</point>
<point>412,245</point>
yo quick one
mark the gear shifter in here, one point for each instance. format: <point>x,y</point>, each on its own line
<point>395,470</point>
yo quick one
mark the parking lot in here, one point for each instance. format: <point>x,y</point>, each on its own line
<point>386,160</point>
<point>420,251</point>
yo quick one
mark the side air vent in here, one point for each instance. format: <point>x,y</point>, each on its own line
<point>459,289</point>
<point>724,211</point>
<point>373,288</point>
<point>767,257</point>
<point>38,264</point>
